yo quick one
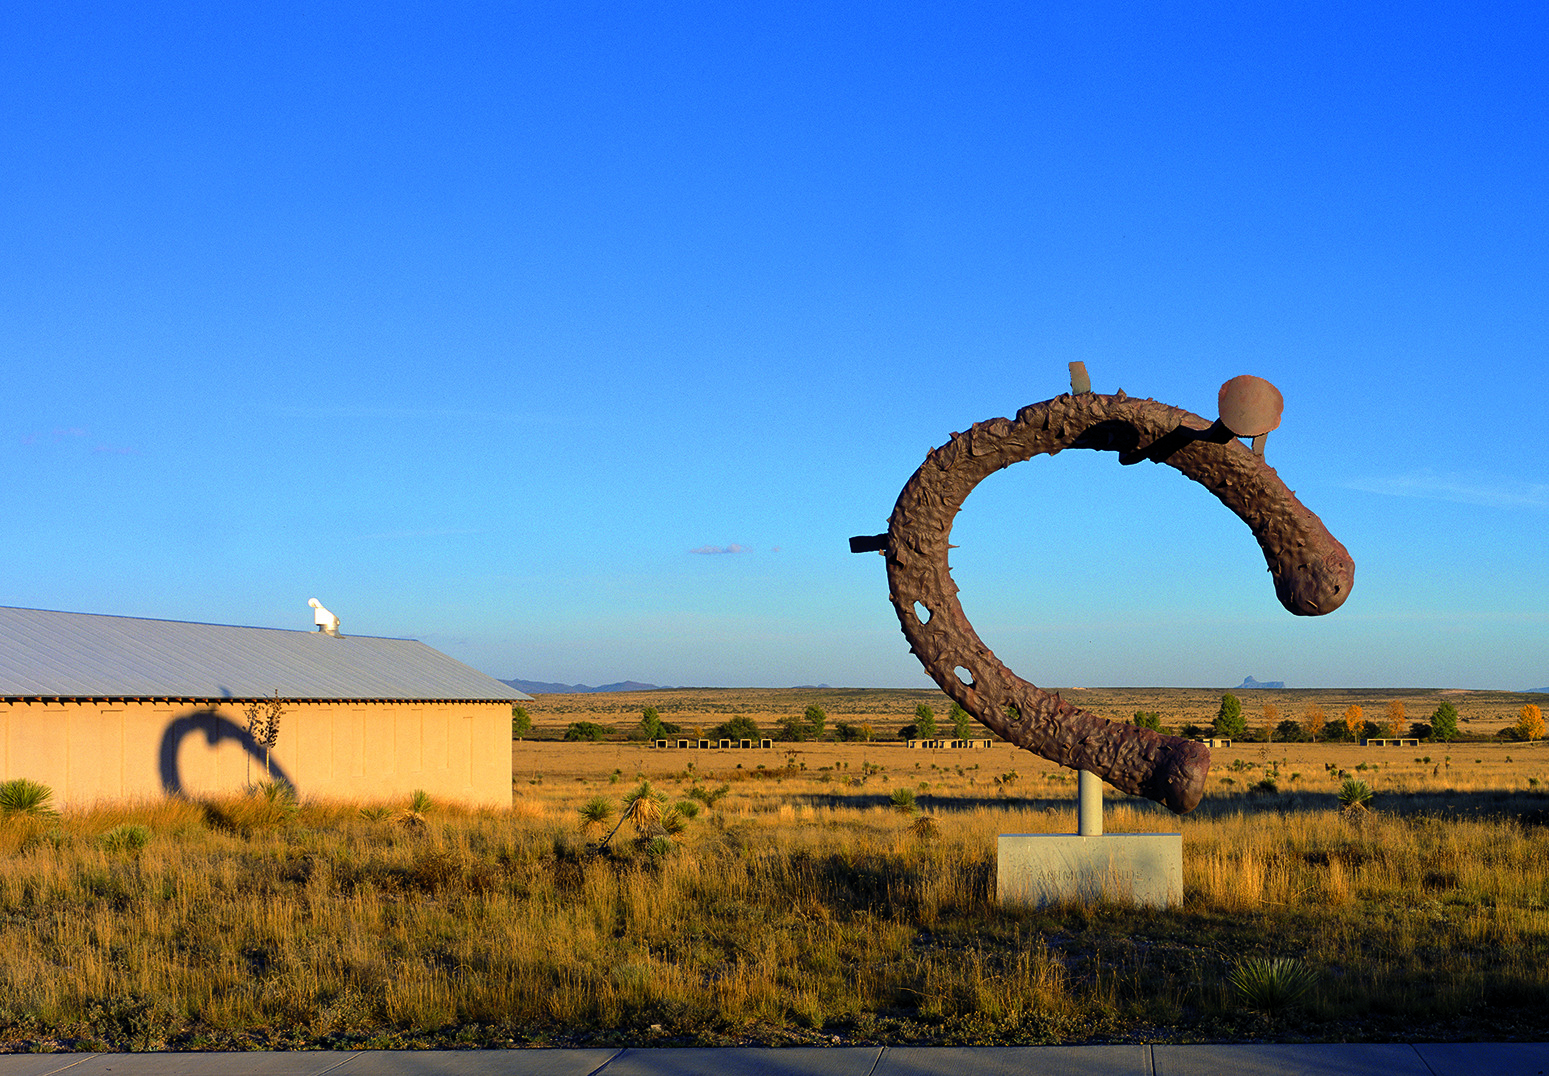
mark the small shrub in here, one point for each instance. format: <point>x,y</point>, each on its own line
<point>903,800</point>
<point>125,838</point>
<point>584,732</point>
<point>709,796</point>
<point>924,827</point>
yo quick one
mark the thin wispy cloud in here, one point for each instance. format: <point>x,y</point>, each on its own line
<point>1491,491</point>
<point>712,550</point>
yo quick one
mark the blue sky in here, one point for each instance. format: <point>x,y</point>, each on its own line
<point>486,324</point>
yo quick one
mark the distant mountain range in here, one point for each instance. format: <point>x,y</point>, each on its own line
<point>540,687</point>
<point>1270,685</point>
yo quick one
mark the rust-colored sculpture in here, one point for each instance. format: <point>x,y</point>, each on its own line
<point>1312,570</point>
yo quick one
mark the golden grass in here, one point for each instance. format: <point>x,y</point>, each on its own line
<point>798,908</point>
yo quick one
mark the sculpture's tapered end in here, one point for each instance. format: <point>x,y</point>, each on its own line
<point>1178,782</point>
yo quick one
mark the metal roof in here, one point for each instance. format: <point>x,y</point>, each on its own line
<point>87,655</point>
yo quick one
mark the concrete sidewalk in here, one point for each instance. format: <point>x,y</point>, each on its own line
<point>1418,1059</point>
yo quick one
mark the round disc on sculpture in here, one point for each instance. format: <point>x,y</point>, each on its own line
<point>1250,406</point>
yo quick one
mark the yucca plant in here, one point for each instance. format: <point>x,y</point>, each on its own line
<point>673,821</point>
<point>643,807</point>
<point>924,827</point>
<point>595,812</point>
<point>903,800</point>
<point>1355,795</point>
<point>1271,984</point>
<point>413,816</point>
<point>21,796</point>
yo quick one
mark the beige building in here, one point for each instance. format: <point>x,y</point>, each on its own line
<point>111,708</point>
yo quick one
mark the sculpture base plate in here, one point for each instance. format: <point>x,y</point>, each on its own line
<point>1035,869</point>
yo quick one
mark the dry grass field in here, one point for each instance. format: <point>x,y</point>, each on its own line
<point>781,896</point>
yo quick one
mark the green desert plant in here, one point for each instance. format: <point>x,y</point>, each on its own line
<point>962,723</point>
<point>924,722</point>
<point>413,816</point>
<point>815,718</point>
<point>902,801</point>
<point>20,796</point>
<point>595,812</point>
<point>129,837</point>
<point>1355,794</point>
<point>521,722</point>
<point>1229,720</point>
<point>740,727</point>
<point>708,796</point>
<point>673,821</point>
<point>1271,984</point>
<point>1444,722</point>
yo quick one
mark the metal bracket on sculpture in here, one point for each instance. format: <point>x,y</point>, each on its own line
<point>1312,571</point>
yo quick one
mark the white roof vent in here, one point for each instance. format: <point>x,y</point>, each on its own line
<point>325,620</point>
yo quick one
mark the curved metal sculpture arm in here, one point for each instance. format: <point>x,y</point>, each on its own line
<point>1312,572</point>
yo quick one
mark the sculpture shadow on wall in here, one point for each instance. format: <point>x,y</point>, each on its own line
<point>216,730</point>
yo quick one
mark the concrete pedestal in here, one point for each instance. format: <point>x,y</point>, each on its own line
<point>1129,868</point>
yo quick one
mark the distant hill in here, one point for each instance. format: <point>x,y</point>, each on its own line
<point>540,687</point>
<point>1249,683</point>
<point>1538,691</point>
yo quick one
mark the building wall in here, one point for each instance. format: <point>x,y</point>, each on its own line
<point>90,751</point>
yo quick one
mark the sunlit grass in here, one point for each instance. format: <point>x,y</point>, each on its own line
<point>797,905</point>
